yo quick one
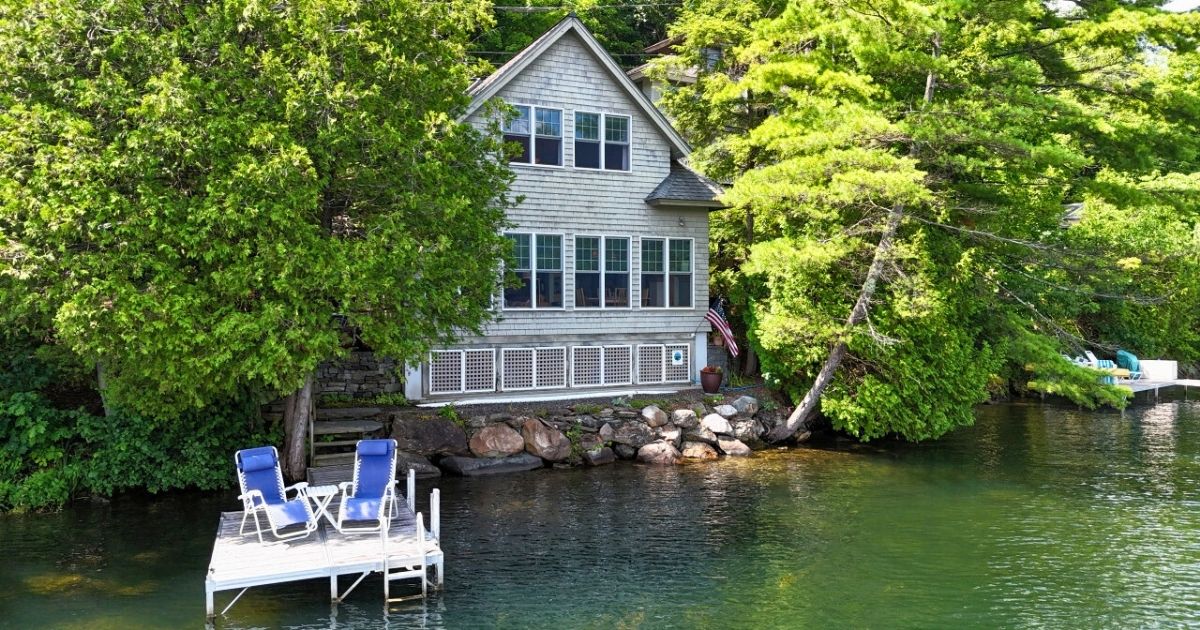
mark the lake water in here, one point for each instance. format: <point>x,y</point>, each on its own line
<point>1036,516</point>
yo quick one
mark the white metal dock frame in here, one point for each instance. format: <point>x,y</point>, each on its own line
<point>404,550</point>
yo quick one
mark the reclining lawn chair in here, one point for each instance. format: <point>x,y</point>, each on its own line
<point>368,502</point>
<point>263,493</point>
<point>1130,362</point>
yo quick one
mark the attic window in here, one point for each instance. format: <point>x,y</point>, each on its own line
<point>537,132</point>
<point>601,141</point>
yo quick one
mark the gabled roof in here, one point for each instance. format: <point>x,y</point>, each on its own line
<point>483,90</point>
<point>685,187</point>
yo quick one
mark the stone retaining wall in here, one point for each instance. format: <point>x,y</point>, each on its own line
<point>584,435</point>
<point>359,375</point>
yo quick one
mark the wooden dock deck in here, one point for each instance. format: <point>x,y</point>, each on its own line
<point>240,562</point>
<point>1140,386</point>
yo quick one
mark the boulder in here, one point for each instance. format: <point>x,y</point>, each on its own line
<point>669,433</point>
<point>698,450</point>
<point>497,440</point>
<point>684,418</point>
<point>477,422</point>
<point>653,416</point>
<point>733,448</point>
<point>607,432</point>
<point>748,430</point>
<point>476,466</point>
<point>746,405</point>
<point>607,412</point>
<point>428,436</point>
<point>700,434</point>
<point>624,451</point>
<point>804,436</point>
<point>404,461</point>
<point>727,411</point>
<point>590,441</point>
<point>716,424</point>
<point>633,434</point>
<point>627,414</point>
<point>599,456</point>
<point>544,441</point>
<point>659,453</point>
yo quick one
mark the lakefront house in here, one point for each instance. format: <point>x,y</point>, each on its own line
<point>610,238</point>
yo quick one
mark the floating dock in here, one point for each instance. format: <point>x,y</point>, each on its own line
<point>1143,385</point>
<point>408,550</point>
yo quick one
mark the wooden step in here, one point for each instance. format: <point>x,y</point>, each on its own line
<point>332,427</point>
<point>333,459</point>
<point>344,413</point>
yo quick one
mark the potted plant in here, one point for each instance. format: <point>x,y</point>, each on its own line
<point>710,379</point>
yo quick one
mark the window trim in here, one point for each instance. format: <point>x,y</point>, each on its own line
<point>533,271</point>
<point>603,270</point>
<point>562,145</point>
<point>667,272</point>
<point>603,141</point>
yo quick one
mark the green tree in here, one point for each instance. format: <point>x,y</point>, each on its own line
<point>198,197</point>
<point>624,29</point>
<point>899,178</point>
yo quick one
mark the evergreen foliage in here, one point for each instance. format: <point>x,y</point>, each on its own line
<point>974,123</point>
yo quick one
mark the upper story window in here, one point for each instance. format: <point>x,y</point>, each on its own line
<point>538,132</point>
<point>538,265</point>
<point>667,273</point>
<point>601,272</point>
<point>602,141</point>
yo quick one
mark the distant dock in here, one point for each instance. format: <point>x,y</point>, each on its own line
<point>408,550</point>
<point>1143,385</point>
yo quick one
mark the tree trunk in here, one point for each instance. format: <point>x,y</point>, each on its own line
<point>102,386</point>
<point>297,411</point>
<point>751,366</point>
<point>812,400</point>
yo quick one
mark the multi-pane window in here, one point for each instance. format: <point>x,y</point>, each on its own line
<point>538,265</point>
<point>587,271</point>
<point>516,131</point>
<point>654,273</point>
<point>537,131</point>
<point>549,285</point>
<point>602,141</point>
<point>601,272</point>
<point>548,146</point>
<point>666,273</point>
<point>681,274</point>
<point>616,272</point>
<point>587,140</point>
<point>616,143</point>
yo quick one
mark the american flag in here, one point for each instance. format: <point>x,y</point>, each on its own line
<point>716,317</point>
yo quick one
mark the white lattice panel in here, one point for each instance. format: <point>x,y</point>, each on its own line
<point>551,369</point>
<point>516,368</point>
<point>585,366</point>
<point>678,366</point>
<point>479,370</point>
<point>618,365</point>
<point>445,371</point>
<point>650,364</point>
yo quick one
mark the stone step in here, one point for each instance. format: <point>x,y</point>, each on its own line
<point>333,427</point>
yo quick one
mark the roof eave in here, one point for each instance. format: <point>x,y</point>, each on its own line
<point>710,204</point>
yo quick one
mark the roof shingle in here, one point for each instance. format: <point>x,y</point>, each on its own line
<point>683,186</point>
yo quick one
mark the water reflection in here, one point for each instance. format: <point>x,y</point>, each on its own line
<point>1037,516</point>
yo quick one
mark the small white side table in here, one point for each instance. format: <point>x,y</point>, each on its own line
<point>322,496</point>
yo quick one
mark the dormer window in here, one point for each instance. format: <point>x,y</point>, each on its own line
<point>602,141</point>
<point>538,133</point>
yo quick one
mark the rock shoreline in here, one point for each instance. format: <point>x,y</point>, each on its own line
<point>584,435</point>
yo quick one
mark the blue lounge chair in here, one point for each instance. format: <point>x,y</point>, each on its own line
<point>368,503</point>
<point>1130,362</point>
<point>263,493</point>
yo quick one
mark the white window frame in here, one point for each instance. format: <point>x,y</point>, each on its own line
<point>667,273</point>
<point>603,270</point>
<point>603,141</point>
<point>533,270</point>
<point>562,128</point>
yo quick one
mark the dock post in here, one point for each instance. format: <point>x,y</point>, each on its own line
<point>435,514</point>
<point>333,587</point>
<point>209,610</point>
<point>412,490</point>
